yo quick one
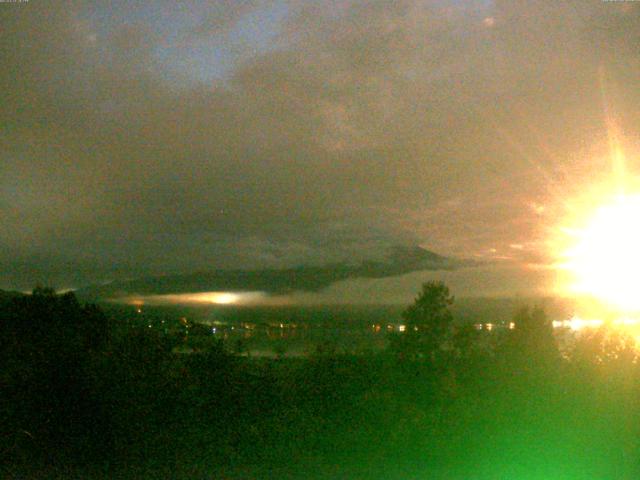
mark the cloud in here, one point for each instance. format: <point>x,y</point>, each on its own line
<point>283,281</point>
<point>223,15</point>
<point>362,126</point>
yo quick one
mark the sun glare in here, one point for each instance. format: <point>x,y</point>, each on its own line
<point>603,260</point>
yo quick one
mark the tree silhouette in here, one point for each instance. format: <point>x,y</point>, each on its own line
<point>48,344</point>
<point>427,322</point>
<point>531,346</point>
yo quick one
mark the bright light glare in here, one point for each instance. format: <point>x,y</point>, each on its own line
<point>219,298</point>
<point>605,259</point>
<point>202,298</point>
<point>576,323</point>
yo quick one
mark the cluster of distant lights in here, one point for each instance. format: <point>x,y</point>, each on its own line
<point>574,323</point>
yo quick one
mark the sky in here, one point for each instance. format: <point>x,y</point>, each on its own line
<point>162,137</point>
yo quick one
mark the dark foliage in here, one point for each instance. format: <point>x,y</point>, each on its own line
<point>48,342</point>
<point>428,323</point>
<point>87,396</point>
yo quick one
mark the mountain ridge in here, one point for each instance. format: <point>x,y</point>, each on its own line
<point>274,281</point>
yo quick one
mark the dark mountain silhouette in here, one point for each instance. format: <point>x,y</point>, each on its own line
<point>401,260</point>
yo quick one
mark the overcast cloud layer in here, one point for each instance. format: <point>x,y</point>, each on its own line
<point>166,137</point>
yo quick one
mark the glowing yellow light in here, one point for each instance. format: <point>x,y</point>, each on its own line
<point>217,298</point>
<point>576,323</point>
<point>604,261</point>
<point>223,298</point>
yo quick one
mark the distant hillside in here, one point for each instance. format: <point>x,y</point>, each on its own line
<point>400,261</point>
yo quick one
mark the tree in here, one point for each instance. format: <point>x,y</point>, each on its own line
<point>531,346</point>
<point>48,346</point>
<point>427,322</point>
<point>533,332</point>
<point>605,348</point>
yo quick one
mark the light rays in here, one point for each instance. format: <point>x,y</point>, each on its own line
<point>604,259</point>
<point>598,243</point>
